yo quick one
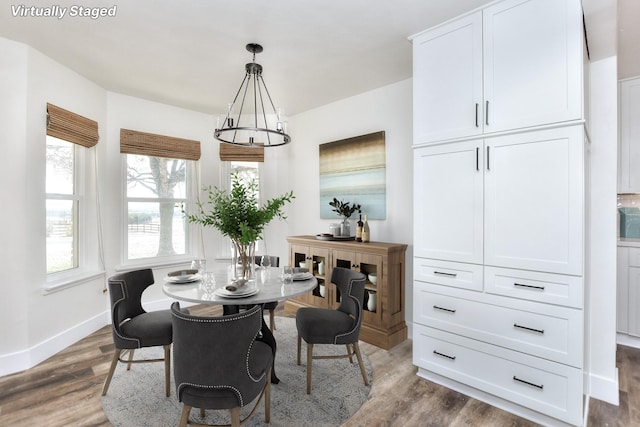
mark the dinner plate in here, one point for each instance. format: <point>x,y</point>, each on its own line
<point>243,294</point>
<point>302,276</point>
<point>187,278</point>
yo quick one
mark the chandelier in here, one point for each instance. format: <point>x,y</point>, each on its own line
<point>252,125</point>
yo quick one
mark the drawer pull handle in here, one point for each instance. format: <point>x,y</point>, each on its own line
<point>541,288</point>
<point>442,273</point>
<point>444,309</point>
<point>540,386</point>
<point>445,355</point>
<point>540,331</point>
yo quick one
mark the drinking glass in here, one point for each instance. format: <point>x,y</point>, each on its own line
<point>265,261</point>
<point>199,264</point>
<point>287,275</point>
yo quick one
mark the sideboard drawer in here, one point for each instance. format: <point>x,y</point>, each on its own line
<point>460,275</point>
<point>534,286</point>
<point>541,385</point>
<point>550,332</point>
<point>634,257</point>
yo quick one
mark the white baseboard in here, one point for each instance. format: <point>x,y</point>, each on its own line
<point>21,360</point>
<point>627,340</point>
<point>28,358</point>
<point>605,389</point>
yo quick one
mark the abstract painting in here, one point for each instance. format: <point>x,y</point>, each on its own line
<point>354,170</point>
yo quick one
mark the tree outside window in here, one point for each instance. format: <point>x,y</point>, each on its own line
<point>156,187</point>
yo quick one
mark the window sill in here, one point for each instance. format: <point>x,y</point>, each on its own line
<point>70,280</point>
<point>153,263</point>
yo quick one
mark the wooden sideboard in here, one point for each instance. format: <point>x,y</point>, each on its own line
<point>383,321</point>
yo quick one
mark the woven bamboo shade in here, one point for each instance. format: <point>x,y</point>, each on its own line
<point>238,153</point>
<point>149,144</point>
<point>71,127</point>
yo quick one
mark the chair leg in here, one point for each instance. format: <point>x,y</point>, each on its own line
<point>299,348</point>
<point>202,412</point>
<point>356,347</point>
<point>167,369</point>
<point>272,321</point>
<point>309,362</point>
<point>184,418</point>
<point>350,353</point>
<point>267,399</point>
<point>112,369</point>
<point>235,416</point>
<point>130,359</point>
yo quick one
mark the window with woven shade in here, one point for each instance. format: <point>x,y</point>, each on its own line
<point>159,171</point>
<point>72,127</point>
<point>238,153</point>
<point>65,183</point>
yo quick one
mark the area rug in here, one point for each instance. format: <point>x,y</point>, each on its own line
<point>136,397</point>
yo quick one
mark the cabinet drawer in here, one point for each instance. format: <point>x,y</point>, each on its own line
<point>554,333</point>
<point>535,286</point>
<point>634,257</point>
<point>460,275</point>
<point>551,388</point>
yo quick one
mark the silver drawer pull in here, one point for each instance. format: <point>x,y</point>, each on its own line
<point>541,288</point>
<point>540,386</point>
<point>442,273</point>
<point>445,355</point>
<point>540,331</point>
<point>444,309</point>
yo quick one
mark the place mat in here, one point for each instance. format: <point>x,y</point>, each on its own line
<point>136,398</point>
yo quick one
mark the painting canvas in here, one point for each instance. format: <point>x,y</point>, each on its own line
<point>354,170</point>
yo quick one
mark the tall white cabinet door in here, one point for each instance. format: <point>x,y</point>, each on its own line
<point>629,153</point>
<point>534,201</point>
<point>532,63</point>
<point>448,202</point>
<point>634,301</point>
<point>447,81</point>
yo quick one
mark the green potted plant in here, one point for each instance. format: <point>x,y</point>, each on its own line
<point>345,210</point>
<point>237,214</point>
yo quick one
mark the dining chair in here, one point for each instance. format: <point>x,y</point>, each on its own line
<point>271,306</point>
<point>339,327</point>
<point>132,327</point>
<point>219,364</point>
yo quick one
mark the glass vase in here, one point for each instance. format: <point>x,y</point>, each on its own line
<point>243,260</point>
<point>345,228</point>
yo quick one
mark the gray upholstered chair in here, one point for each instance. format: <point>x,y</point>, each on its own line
<point>133,327</point>
<point>218,364</point>
<point>340,326</point>
<point>271,306</point>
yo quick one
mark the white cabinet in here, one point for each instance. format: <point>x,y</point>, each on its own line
<point>513,65</point>
<point>448,193</point>
<point>628,291</point>
<point>499,209</point>
<point>447,80</point>
<point>533,200</point>
<point>622,289</point>
<point>629,153</point>
<point>512,201</point>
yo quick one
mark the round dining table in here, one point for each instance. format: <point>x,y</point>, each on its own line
<point>267,286</point>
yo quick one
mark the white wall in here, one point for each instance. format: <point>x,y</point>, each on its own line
<point>36,324</point>
<point>386,109</point>
<point>601,327</point>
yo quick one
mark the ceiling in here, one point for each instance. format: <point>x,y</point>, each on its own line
<point>192,54</point>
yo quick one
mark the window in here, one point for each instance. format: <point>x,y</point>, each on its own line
<point>156,188</point>
<point>248,171</point>
<point>62,205</point>
<point>157,185</point>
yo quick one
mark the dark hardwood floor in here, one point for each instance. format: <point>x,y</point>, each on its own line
<point>65,391</point>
